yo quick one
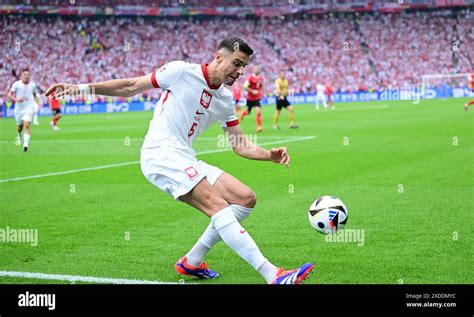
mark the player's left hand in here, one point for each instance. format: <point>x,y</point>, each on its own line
<point>280,155</point>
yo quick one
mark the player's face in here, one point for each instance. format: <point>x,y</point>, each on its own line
<point>282,75</point>
<point>256,70</point>
<point>25,77</point>
<point>232,66</point>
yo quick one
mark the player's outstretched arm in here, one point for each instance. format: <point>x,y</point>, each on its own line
<point>243,147</point>
<point>117,87</point>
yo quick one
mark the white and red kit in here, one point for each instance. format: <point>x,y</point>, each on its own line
<point>188,105</point>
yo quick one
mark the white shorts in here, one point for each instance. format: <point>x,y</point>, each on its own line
<point>175,171</point>
<point>23,114</point>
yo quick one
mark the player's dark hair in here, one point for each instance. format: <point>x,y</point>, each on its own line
<point>25,70</point>
<point>233,43</point>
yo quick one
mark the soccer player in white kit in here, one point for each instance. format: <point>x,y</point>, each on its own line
<point>194,97</point>
<point>26,98</point>
<point>321,96</point>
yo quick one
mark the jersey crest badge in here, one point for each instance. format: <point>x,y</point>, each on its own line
<point>206,98</point>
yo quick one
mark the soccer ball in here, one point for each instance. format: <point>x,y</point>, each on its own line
<point>327,214</point>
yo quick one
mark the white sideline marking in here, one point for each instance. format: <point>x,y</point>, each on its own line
<point>76,278</point>
<point>67,172</point>
<point>136,162</point>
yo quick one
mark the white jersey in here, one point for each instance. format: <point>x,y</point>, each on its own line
<point>20,90</point>
<point>320,89</point>
<point>188,105</point>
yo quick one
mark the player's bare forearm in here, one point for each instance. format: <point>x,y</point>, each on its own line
<point>253,152</point>
<point>126,87</point>
<point>243,147</point>
<point>115,87</point>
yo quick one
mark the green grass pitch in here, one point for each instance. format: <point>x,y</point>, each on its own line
<point>404,170</point>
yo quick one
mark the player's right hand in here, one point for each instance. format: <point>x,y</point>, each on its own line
<point>60,90</point>
<point>280,155</point>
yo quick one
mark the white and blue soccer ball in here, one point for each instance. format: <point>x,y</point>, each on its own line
<point>328,214</point>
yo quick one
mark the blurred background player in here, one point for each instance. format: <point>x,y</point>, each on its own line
<point>55,106</point>
<point>329,95</point>
<point>237,93</point>
<point>25,96</point>
<point>254,87</point>
<point>467,104</point>
<point>320,96</point>
<point>281,91</point>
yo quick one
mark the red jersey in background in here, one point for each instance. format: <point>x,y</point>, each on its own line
<point>328,90</point>
<point>255,83</point>
<point>54,103</point>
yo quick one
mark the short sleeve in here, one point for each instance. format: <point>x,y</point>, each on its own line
<point>14,87</point>
<point>229,119</point>
<point>167,74</point>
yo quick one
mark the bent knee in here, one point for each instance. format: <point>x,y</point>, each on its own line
<point>249,199</point>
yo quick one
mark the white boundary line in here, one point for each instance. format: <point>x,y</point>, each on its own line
<point>77,278</point>
<point>304,138</point>
<point>67,172</point>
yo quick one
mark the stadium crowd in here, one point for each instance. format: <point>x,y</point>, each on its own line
<point>363,53</point>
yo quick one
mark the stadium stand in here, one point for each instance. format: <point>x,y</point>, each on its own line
<point>357,52</point>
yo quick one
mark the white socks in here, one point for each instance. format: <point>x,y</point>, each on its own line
<point>247,247</point>
<point>240,212</point>
<point>210,237</point>
<point>238,239</point>
<point>26,140</point>
<point>268,271</point>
